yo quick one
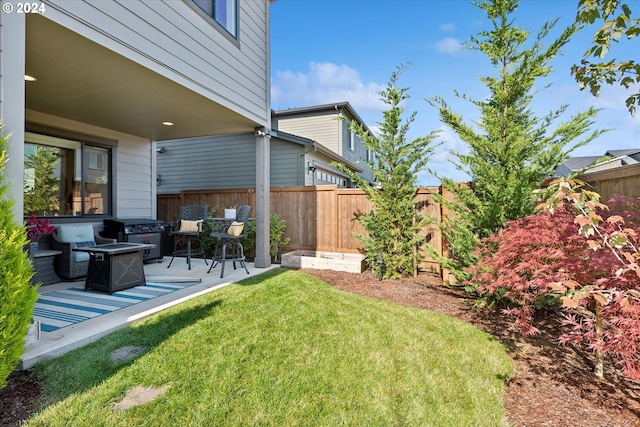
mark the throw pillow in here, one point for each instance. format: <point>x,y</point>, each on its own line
<point>84,244</point>
<point>235,229</point>
<point>187,226</point>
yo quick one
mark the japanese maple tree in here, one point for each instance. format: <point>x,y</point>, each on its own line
<point>581,255</point>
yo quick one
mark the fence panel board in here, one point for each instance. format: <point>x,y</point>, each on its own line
<point>351,204</point>
<point>624,181</point>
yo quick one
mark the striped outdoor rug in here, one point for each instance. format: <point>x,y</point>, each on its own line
<point>58,309</point>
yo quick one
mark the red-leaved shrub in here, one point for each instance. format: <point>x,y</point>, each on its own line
<point>584,257</point>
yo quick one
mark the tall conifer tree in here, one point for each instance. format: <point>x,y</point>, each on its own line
<point>511,149</point>
<point>17,295</point>
<point>393,225</point>
<point>41,196</point>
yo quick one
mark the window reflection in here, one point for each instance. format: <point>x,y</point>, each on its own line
<point>65,177</point>
<point>224,12</point>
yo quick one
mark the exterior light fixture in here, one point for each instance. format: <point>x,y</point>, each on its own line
<point>28,78</point>
<point>167,123</point>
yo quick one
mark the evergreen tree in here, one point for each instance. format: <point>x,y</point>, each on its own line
<point>394,223</point>
<point>511,149</point>
<point>17,296</point>
<point>41,196</point>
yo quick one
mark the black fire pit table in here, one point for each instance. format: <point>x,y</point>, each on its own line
<point>115,266</point>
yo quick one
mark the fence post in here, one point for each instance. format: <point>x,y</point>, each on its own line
<point>444,251</point>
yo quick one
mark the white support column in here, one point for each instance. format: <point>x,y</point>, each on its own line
<point>263,198</point>
<point>12,103</point>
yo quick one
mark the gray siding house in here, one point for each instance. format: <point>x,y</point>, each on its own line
<point>225,162</point>
<point>322,124</point>
<point>100,83</point>
<point>301,154</point>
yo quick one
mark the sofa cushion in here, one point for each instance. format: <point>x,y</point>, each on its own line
<point>72,233</point>
<point>82,256</point>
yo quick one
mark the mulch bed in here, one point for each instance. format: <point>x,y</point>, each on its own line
<point>553,385</point>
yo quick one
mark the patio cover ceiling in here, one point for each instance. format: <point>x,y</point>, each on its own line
<point>80,80</point>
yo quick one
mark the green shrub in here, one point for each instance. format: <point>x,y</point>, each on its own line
<point>17,296</point>
<point>250,241</point>
<point>277,239</point>
<point>208,242</point>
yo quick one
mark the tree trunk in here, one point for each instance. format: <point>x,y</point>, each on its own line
<point>599,368</point>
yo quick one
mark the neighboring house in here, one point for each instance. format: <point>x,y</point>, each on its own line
<point>575,165</point>
<point>221,162</point>
<point>318,169</point>
<point>323,124</point>
<point>610,160</point>
<point>100,83</point>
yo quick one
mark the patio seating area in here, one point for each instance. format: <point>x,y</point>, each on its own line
<point>59,341</point>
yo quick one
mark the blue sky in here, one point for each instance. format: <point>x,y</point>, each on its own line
<point>325,51</point>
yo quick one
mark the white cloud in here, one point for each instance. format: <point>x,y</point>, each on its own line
<point>450,142</point>
<point>449,45</point>
<point>441,161</point>
<point>448,27</point>
<point>324,83</point>
<point>614,96</point>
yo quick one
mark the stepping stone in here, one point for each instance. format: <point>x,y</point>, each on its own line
<point>139,395</point>
<point>124,354</point>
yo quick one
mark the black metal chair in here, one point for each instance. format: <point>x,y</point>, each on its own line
<point>229,240</point>
<point>187,229</point>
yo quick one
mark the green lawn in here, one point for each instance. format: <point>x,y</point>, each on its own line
<point>285,349</point>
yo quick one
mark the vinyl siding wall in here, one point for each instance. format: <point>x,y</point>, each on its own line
<point>358,155</point>
<point>134,180</point>
<point>287,163</point>
<point>174,40</point>
<point>223,162</point>
<point>322,128</point>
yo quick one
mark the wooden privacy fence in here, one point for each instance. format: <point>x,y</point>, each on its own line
<point>624,180</point>
<point>319,218</point>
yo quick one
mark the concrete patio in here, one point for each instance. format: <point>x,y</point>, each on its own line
<point>58,342</point>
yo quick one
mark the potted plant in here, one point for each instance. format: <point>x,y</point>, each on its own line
<point>36,228</point>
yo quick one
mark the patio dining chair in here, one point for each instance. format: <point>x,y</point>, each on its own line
<point>229,246</point>
<point>186,230</point>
